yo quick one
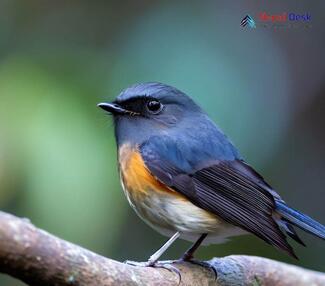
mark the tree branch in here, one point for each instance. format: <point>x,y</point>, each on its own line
<point>39,258</point>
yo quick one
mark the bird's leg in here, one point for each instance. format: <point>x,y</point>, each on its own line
<point>188,255</point>
<point>154,257</point>
<point>152,261</point>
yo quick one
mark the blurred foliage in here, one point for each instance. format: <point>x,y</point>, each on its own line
<point>57,151</point>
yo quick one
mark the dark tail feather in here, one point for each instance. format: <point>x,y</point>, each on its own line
<point>292,233</point>
<point>300,220</point>
<point>289,230</point>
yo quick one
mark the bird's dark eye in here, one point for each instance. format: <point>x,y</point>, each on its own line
<point>154,106</point>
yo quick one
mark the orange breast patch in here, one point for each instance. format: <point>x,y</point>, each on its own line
<point>135,175</point>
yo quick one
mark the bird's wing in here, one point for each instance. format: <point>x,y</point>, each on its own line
<point>228,188</point>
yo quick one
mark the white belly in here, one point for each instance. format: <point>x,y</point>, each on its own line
<point>167,214</point>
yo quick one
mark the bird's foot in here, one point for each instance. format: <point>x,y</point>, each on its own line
<point>166,264</point>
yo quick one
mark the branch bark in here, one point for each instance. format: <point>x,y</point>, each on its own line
<point>39,258</point>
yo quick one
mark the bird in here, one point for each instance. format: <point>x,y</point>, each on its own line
<point>185,178</point>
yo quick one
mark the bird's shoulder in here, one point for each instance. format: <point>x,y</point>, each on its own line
<point>190,151</point>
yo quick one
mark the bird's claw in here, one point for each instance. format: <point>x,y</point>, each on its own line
<point>166,264</point>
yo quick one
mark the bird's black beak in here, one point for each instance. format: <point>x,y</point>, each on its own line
<point>112,108</point>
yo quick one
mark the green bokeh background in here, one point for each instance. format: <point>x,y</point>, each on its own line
<point>58,59</point>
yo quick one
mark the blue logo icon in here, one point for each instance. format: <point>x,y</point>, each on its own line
<point>248,21</point>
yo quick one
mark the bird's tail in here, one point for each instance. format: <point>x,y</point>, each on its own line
<point>300,220</point>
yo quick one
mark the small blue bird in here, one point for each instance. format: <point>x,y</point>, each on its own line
<point>185,178</point>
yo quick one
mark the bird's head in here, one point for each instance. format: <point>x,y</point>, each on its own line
<point>148,109</point>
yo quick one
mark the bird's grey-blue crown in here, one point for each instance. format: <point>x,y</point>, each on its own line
<point>154,89</point>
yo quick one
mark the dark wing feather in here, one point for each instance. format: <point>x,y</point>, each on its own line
<point>228,188</point>
<point>239,200</point>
